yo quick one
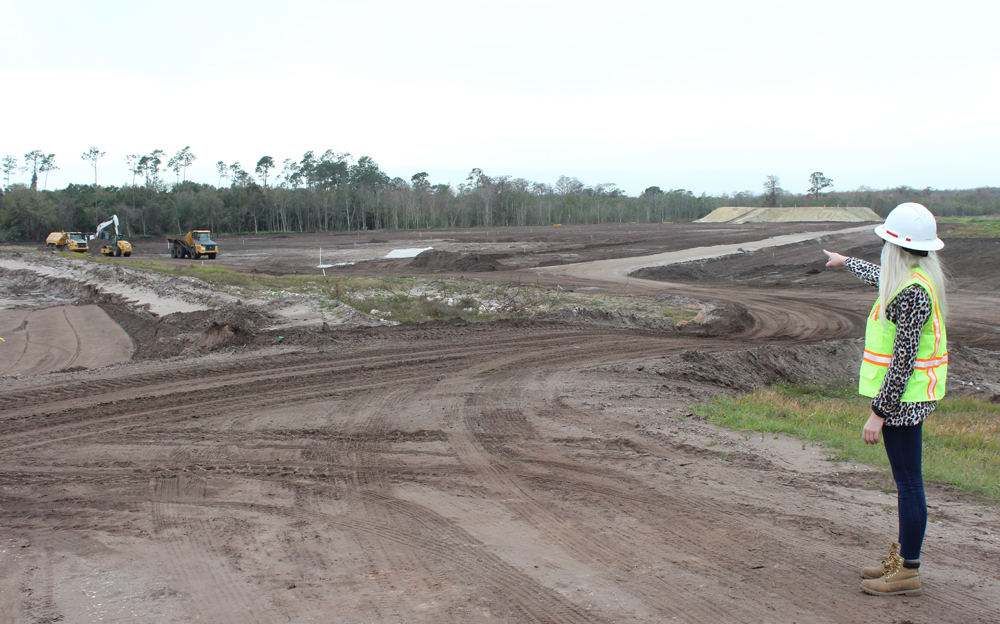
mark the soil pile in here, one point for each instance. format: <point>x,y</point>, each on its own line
<point>749,369</point>
<point>218,336</point>
<point>970,369</point>
<point>737,214</point>
<point>441,261</point>
<point>155,337</point>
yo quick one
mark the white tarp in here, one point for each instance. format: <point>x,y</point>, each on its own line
<point>406,253</point>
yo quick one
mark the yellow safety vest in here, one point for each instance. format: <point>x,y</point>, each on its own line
<point>931,368</point>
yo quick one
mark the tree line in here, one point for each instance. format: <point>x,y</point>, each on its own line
<point>333,191</point>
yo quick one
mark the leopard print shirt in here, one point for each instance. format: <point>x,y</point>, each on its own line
<point>909,310</point>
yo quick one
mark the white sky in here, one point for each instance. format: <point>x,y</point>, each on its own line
<point>710,96</point>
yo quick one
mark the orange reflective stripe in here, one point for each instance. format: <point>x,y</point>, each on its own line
<point>878,359</point>
<point>932,385</point>
<point>929,363</point>
<point>936,312</point>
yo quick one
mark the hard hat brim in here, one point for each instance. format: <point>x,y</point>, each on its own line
<point>895,239</point>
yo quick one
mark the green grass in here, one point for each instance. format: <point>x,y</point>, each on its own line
<point>961,437</point>
<point>260,284</point>
<point>969,227</point>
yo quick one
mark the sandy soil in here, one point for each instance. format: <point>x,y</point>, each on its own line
<point>59,338</point>
<point>532,470</point>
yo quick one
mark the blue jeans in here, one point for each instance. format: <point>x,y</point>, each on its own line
<point>903,446</point>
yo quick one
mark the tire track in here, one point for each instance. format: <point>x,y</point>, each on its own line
<point>689,520</point>
<point>219,594</point>
<point>76,394</point>
<point>474,432</point>
<point>76,337</point>
<point>671,548</point>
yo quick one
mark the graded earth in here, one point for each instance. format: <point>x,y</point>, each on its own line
<point>175,453</point>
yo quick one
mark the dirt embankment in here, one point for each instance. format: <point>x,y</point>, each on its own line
<point>971,264</point>
<point>819,214</point>
<point>448,261</point>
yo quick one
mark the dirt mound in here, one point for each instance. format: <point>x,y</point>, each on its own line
<point>798,264</point>
<point>749,369</point>
<point>723,319</point>
<point>717,319</point>
<point>156,337</point>
<point>218,336</point>
<point>436,260</point>
<point>970,369</point>
<point>737,214</point>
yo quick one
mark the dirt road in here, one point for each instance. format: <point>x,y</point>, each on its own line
<point>515,471</point>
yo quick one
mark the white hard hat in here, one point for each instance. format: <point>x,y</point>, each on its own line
<point>912,226</point>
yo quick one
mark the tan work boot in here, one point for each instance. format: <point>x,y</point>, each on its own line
<point>874,572</point>
<point>896,581</point>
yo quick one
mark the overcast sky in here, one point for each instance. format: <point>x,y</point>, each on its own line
<point>709,96</point>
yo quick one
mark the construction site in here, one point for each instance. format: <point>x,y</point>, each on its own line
<point>180,451</point>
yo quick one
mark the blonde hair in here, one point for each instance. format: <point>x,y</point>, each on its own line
<point>898,266</point>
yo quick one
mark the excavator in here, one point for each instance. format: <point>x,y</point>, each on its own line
<point>108,244</point>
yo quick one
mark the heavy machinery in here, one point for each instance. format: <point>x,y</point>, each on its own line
<point>194,245</point>
<point>67,241</point>
<point>107,243</point>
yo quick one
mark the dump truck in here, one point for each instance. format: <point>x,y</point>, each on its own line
<point>108,243</point>
<point>194,245</point>
<point>67,241</point>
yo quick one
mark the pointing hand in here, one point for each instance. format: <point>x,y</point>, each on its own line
<point>835,259</point>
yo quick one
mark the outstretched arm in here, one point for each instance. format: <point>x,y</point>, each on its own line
<point>864,271</point>
<point>835,259</point>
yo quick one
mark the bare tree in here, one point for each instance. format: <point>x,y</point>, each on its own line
<point>569,186</point>
<point>772,191</point>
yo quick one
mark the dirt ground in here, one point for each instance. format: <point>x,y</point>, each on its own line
<point>277,461</point>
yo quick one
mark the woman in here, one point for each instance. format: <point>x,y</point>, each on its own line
<point>903,371</point>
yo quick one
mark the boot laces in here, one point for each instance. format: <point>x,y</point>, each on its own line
<point>893,554</point>
<point>893,564</point>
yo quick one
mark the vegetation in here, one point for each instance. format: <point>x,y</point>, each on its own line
<point>961,438</point>
<point>968,227</point>
<point>407,299</point>
<point>334,192</point>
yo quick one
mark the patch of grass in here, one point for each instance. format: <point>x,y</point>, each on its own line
<point>961,437</point>
<point>261,284</point>
<point>413,300</point>
<point>405,309</point>
<point>969,227</point>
